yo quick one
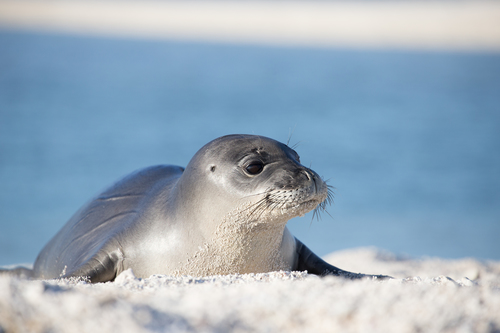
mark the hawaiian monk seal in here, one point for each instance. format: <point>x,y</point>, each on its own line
<point>225,213</point>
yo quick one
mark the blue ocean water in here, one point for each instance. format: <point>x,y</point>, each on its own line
<point>409,140</point>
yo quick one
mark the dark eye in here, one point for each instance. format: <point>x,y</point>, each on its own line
<point>255,168</point>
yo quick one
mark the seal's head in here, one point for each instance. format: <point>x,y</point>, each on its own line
<point>234,199</point>
<point>257,172</point>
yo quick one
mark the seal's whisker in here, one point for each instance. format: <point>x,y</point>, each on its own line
<point>274,205</point>
<point>330,194</point>
<point>259,208</point>
<point>290,133</point>
<point>256,194</point>
<point>296,145</point>
<point>322,206</point>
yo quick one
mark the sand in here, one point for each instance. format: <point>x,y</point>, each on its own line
<point>431,25</point>
<point>446,296</point>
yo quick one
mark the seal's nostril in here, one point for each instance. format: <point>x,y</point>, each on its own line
<point>308,175</point>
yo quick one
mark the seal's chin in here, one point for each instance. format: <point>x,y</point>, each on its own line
<point>305,207</point>
<point>300,209</point>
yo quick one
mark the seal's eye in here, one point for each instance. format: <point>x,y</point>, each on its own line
<point>254,168</point>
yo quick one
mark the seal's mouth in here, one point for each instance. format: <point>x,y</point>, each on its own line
<point>293,202</point>
<point>305,207</point>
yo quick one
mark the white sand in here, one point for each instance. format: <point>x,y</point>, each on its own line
<point>442,299</point>
<point>442,24</point>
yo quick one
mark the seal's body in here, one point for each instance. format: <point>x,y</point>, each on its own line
<point>225,213</point>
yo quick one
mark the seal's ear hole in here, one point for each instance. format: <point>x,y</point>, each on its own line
<point>254,168</point>
<point>212,168</point>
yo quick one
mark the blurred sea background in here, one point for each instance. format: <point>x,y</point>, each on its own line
<point>408,136</point>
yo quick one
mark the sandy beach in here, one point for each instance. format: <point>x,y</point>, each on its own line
<point>426,295</point>
<point>441,25</point>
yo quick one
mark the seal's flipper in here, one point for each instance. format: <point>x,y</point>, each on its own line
<point>102,267</point>
<point>310,262</point>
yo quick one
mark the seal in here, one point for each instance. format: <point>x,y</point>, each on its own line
<point>225,213</point>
